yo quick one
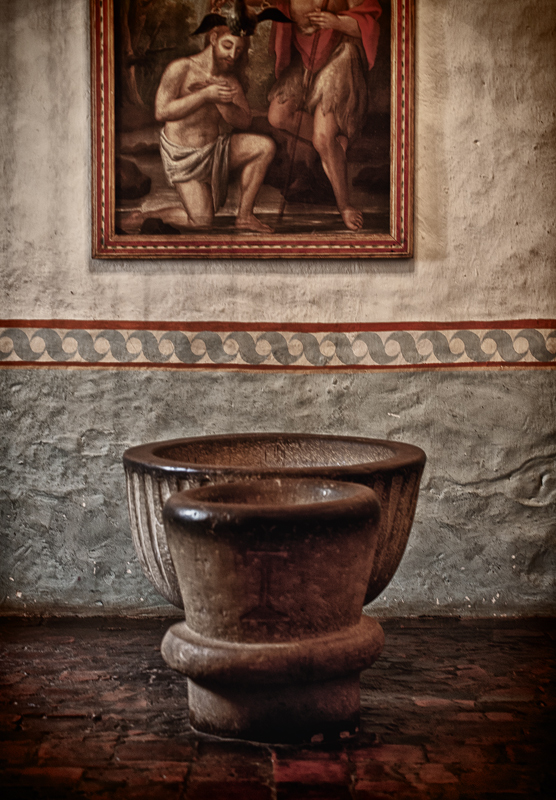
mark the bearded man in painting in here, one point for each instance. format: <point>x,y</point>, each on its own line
<point>197,96</point>
<point>322,64</point>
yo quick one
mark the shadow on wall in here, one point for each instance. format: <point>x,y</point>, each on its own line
<point>431,106</point>
<point>261,267</point>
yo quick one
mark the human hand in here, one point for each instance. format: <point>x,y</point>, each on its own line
<point>221,92</point>
<point>323,20</point>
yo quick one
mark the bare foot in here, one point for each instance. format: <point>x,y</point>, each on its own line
<point>353,219</point>
<point>251,223</point>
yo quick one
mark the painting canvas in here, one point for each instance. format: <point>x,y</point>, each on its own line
<point>238,129</point>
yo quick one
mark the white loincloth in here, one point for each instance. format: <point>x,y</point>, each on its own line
<point>208,164</point>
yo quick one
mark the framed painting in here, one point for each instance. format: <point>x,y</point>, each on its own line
<point>248,129</point>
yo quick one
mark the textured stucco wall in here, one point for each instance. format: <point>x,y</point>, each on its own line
<point>484,537</point>
<point>485,250</point>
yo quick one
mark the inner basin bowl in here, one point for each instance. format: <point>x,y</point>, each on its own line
<point>272,496</point>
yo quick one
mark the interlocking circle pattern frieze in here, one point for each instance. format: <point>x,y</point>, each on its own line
<point>291,347</point>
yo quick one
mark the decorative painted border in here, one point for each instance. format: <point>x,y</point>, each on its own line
<point>397,243</point>
<point>264,346</point>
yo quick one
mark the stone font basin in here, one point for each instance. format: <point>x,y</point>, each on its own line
<point>273,575</point>
<point>157,470</point>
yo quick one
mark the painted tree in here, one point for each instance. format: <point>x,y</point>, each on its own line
<point>149,34</point>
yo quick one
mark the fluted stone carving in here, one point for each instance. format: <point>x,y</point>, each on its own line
<point>157,470</point>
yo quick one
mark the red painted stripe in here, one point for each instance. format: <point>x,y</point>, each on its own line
<point>290,327</point>
<point>279,368</point>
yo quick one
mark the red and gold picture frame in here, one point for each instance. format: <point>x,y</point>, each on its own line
<point>297,145</point>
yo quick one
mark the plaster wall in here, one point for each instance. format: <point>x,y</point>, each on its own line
<point>483,540</point>
<point>485,180</point>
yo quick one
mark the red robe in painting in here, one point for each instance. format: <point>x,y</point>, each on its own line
<point>283,36</point>
<point>339,66</point>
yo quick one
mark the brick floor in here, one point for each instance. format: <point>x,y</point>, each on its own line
<point>452,709</point>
